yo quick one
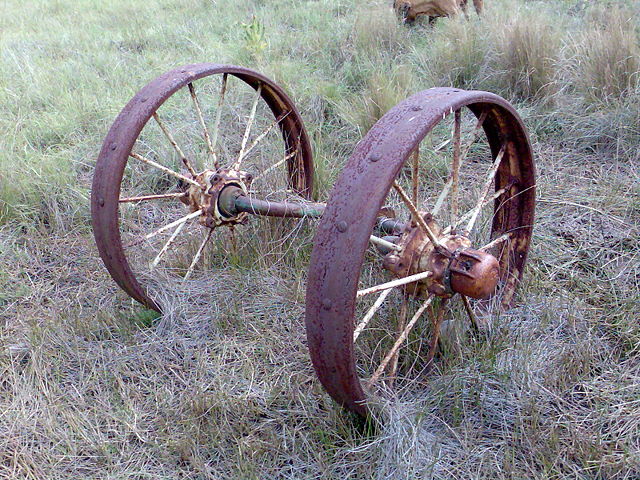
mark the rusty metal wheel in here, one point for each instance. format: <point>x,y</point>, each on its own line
<point>184,139</point>
<point>448,176</point>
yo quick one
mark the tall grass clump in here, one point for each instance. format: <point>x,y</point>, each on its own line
<point>377,30</point>
<point>376,76</point>
<point>385,87</point>
<point>527,57</point>
<point>607,65</point>
<point>604,69</point>
<point>458,54</point>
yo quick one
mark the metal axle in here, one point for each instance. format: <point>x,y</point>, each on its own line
<point>233,201</point>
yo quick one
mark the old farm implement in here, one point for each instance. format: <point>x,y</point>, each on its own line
<point>209,168</point>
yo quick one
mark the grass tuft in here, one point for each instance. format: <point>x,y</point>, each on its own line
<point>385,87</point>
<point>459,53</point>
<point>608,59</point>
<point>376,30</point>
<point>527,57</point>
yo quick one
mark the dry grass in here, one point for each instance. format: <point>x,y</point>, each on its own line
<point>220,386</point>
<point>384,89</point>
<point>463,48</point>
<point>527,56</point>
<point>376,30</point>
<point>608,58</point>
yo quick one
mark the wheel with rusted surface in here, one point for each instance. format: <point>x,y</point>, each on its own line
<point>187,142</point>
<point>448,177</point>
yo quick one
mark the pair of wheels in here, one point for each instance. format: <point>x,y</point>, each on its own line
<point>209,169</point>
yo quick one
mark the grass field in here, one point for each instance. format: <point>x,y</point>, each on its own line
<point>221,386</point>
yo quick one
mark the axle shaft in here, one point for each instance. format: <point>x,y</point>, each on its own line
<point>278,209</point>
<point>233,201</point>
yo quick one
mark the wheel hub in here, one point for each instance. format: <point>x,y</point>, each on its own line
<point>206,197</point>
<point>455,268</point>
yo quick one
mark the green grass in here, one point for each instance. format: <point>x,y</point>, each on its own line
<point>221,386</point>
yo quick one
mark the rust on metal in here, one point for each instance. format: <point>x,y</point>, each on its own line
<point>233,201</point>
<point>208,199</point>
<point>358,196</point>
<point>474,274</point>
<point>125,130</point>
<point>426,260</point>
<point>462,270</point>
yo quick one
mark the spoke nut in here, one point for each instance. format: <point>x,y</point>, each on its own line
<point>342,226</point>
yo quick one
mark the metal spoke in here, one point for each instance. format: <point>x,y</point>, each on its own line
<point>265,133</point>
<point>196,104</point>
<point>472,316</point>
<point>486,187</point>
<point>394,283</point>
<point>177,148</point>
<point>441,197</point>
<point>496,241</point>
<point>186,218</point>
<point>476,132</point>
<point>416,215</point>
<point>198,254</point>
<point>216,125</point>
<point>370,313</point>
<point>152,197</point>
<point>166,246</point>
<point>164,169</point>
<point>247,130</point>
<point>435,334</point>
<point>487,201</point>
<point>463,157</point>
<point>402,322</point>
<point>455,168</point>
<point>442,145</point>
<point>403,336</point>
<point>383,243</point>
<point>276,165</point>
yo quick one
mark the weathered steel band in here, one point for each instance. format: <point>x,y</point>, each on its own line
<point>124,132</point>
<point>356,199</point>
